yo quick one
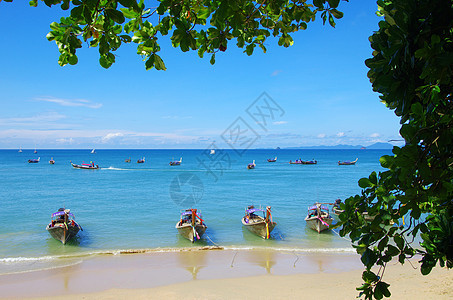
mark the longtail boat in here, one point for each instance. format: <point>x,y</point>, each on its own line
<point>251,166</point>
<point>140,161</point>
<point>90,166</point>
<point>191,225</point>
<point>347,162</point>
<point>62,227</point>
<point>128,160</point>
<point>52,161</point>
<point>176,162</point>
<point>336,207</point>
<point>259,225</point>
<point>318,217</point>
<point>34,161</point>
<point>272,159</point>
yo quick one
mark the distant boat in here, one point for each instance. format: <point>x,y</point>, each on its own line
<point>251,166</point>
<point>35,151</point>
<point>336,207</point>
<point>62,227</point>
<point>272,159</point>
<point>141,161</point>
<point>34,161</point>
<point>51,161</point>
<point>176,162</point>
<point>128,160</point>
<point>212,152</point>
<point>90,166</point>
<point>259,225</point>
<point>303,162</point>
<point>20,149</point>
<point>318,217</point>
<point>93,151</point>
<point>191,225</point>
<point>347,162</point>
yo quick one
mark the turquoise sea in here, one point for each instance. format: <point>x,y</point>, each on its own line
<point>134,207</point>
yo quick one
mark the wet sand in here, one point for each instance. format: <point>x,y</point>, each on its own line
<point>220,274</point>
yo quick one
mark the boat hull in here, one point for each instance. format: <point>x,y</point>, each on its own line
<point>61,233</point>
<point>85,167</point>
<point>186,230</point>
<point>258,227</point>
<point>316,224</point>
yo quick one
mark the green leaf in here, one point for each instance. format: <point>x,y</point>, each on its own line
<point>212,60</point>
<point>115,15</point>
<point>337,14</point>
<point>399,241</point>
<point>365,183</point>
<point>158,63</point>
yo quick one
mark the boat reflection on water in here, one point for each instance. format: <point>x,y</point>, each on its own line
<point>192,261</point>
<point>264,259</point>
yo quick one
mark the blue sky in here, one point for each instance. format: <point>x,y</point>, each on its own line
<point>319,85</point>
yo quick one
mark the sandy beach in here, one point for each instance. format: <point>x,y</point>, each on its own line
<point>220,274</point>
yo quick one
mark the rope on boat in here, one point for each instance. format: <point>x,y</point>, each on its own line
<point>294,252</point>
<point>340,235</point>
<point>212,241</point>
<point>234,257</point>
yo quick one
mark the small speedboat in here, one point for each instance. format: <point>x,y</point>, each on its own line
<point>90,166</point>
<point>251,166</point>
<point>52,161</point>
<point>272,159</point>
<point>34,161</point>
<point>191,225</point>
<point>62,227</point>
<point>176,162</point>
<point>303,162</point>
<point>259,225</point>
<point>347,162</point>
<point>318,217</point>
<point>141,161</point>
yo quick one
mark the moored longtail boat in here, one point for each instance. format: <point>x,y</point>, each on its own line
<point>90,166</point>
<point>259,225</point>
<point>347,162</point>
<point>191,225</point>
<point>272,159</point>
<point>336,207</point>
<point>128,160</point>
<point>318,217</point>
<point>51,161</point>
<point>141,161</point>
<point>62,227</point>
<point>34,161</point>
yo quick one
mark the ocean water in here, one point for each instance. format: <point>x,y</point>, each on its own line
<point>134,207</point>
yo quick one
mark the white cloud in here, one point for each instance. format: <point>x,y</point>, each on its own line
<point>321,135</point>
<point>341,134</point>
<point>40,118</point>
<point>65,141</point>
<point>72,103</point>
<point>375,135</point>
<point>279,122</point>
<point>276,72</point>
<point>110,136</point>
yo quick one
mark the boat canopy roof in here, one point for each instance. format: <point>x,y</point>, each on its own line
<point>252,210</point>
<point>61,213</point>
<point>314,207</point>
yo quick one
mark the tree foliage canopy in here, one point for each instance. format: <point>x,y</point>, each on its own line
<point>412,69</point>
<point>203,25</point>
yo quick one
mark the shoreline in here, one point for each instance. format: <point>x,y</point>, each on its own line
<point>220,274</point>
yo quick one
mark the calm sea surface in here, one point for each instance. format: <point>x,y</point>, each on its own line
<point>131,206</point>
